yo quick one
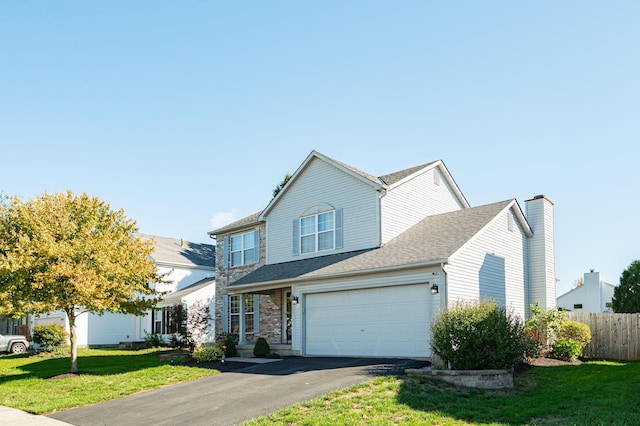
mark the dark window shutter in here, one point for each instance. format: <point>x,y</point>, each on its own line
<point>339,229</point>
<point>225,313</point>
<point>296,237</point>
<point>256,313</point>
<point>256,251</point>
<point>225,252</point>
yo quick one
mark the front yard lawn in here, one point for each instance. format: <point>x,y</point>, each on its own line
<point>27,381</point>
<point>597,392</point>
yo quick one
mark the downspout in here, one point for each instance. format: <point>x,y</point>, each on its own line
<point>446,286</point>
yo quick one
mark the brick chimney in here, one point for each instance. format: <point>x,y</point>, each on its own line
<point>542,255</point>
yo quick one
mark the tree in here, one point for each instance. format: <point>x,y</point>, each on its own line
<point>72,253</point>
<point>626,296</point>
<point>281,185</point>
<point>578,282</point>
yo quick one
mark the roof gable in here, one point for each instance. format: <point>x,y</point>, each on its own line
<point>370,180</point>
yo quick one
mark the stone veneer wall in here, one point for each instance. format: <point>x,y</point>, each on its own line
<point>226,276</point>
<point>482,379</point>
<point>270,318</point>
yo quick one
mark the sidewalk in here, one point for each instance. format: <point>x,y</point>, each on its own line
<point>13,417</point>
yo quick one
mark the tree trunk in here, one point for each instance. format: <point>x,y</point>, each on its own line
<point>72,341</point>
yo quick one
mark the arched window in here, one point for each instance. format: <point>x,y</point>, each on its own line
<point>318,229</point>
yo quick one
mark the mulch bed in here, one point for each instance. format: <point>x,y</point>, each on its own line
<point>545,362</point>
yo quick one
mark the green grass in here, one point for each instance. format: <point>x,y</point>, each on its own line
<point>26,383</point>
<point>594,393</point>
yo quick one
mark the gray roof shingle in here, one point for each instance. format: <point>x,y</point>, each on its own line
<point>433,239</point>
<point>178,295</point>
<point>392,178</point>
<point>174,250</point>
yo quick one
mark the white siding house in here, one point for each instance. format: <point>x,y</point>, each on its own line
<point>594,295</point>
<point>357,265</point>
<point>189,269</point>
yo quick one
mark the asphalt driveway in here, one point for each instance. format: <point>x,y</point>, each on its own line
<point>233,397</point>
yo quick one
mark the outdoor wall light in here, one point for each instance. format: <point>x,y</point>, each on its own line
<point>434,289</point>
<point>295,300</point>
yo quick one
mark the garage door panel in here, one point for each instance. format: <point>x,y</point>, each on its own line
<point>387,321</point>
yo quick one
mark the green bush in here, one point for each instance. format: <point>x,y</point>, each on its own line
<point>153,340</point>
<point>229,340</point>
<point>208,353</point>
<point>533,345</point>
<point>575,330</point>
<point>545,324</point>
<point>567,349</point>
<point>478,336</point>
<point>50,336</point>
<point>261,348</point>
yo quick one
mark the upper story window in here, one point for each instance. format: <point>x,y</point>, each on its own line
<point>242,249</point>
<point>317,232</point>
<point>319,229</point>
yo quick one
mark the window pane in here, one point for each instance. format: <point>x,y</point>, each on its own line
<point>325,222</point>
<point>236,259</point>
<point>307,225</point>
<point>248,303</point>
<point>248,256</point>
<point>234,304</point>
<point>325,240</point>
<point>234,322</point>
<point>249,240</point>
<point>248,323</point>
<point>236,243</point>
<point>308,244</point>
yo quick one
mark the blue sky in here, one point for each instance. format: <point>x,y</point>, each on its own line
<point>187,114</point>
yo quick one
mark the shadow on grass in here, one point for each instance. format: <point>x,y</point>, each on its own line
<point>120,362</point>
<point>591,393</point>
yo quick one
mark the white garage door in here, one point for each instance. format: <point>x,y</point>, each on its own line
<point>386,321</point>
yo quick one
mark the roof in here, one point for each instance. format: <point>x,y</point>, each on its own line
<point>380,182</point>
<point>173,250</point>
<point>245,221</point>
<point>435,239</point>
<point>392,178</point>
<point>199,285</point>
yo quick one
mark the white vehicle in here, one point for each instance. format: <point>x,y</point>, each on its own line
<point>13,343</point>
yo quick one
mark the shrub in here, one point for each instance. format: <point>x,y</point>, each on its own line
<point>153,340</point>
<point>208,353</point>
<point>575,330</point>
<point>229,340</point>
<point>567,349</point>
<point>546,326</point>
<point>261,348</point>
<point>533,345</point>
<point>50,336</point>
<point>476,336</point>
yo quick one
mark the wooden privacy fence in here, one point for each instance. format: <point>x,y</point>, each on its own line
<point>613,336</point>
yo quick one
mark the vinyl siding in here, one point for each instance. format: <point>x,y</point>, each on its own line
<point>323,184</point>
<point>411,201</point>
<point>492,265</point>
<point>542,253</point>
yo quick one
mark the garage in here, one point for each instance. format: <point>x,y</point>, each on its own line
<point>385,321</point>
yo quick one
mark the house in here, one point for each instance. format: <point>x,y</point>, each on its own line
<point>188,268</point>
<point>594,295</point>
<point>343,263</point>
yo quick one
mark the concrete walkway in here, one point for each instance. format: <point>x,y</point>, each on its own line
<point>13,417</point>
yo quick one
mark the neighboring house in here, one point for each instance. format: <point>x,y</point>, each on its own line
<point>594,295</point>
<point>188,268</point>
<point>344,263</point>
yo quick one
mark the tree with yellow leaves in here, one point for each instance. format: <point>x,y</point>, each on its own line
<point>72,253</point>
